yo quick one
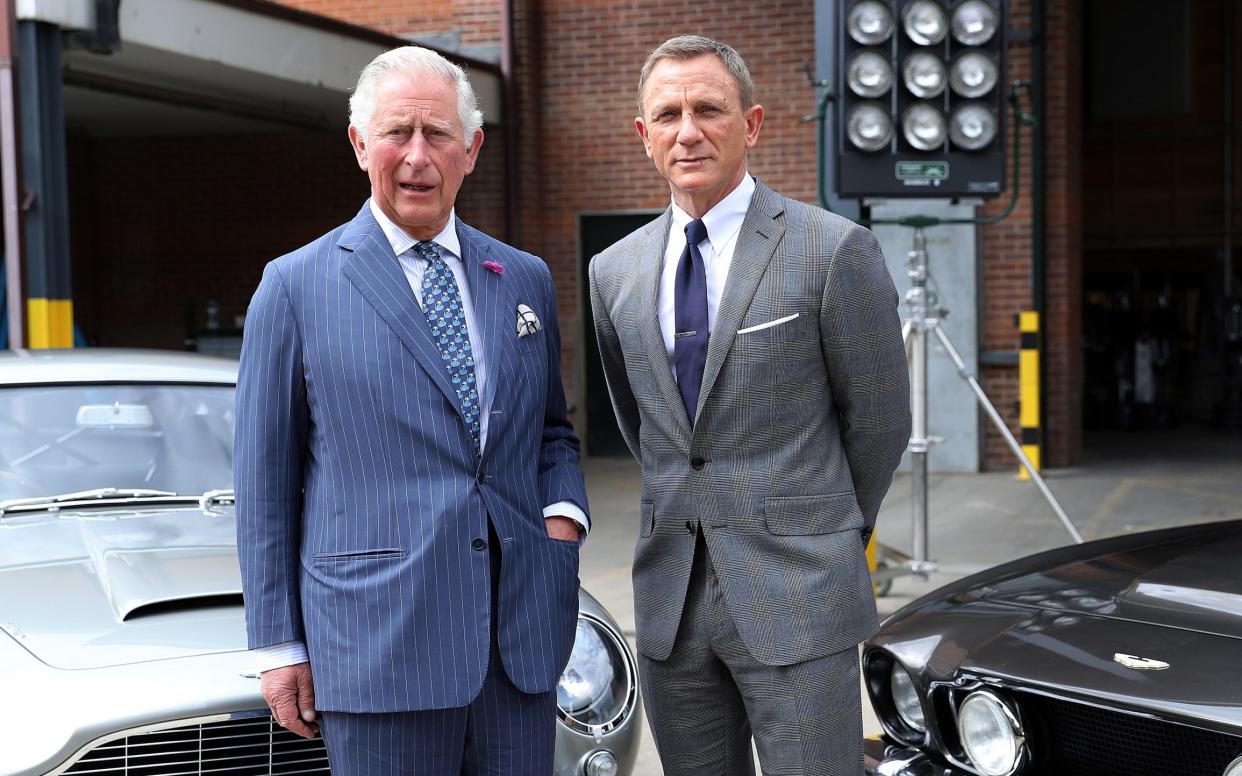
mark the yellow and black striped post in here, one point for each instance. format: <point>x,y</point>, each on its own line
<point>49,302</point>
<point>1028,389</point>
<point>49,322</point>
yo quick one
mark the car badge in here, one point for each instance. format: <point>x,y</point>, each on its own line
<point>1140,663</point>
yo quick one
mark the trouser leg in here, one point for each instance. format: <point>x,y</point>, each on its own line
<point>694,709</point>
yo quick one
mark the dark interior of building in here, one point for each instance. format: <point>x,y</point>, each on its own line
<point>1162,318</point>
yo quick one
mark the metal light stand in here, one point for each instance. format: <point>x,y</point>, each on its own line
<point>925,315</point>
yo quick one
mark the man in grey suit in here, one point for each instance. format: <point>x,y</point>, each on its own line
<point>408,493</point>
<point>754,356</point>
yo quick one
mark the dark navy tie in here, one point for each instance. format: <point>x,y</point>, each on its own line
<point>690,332</point>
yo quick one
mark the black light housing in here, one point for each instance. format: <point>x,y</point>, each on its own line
<point>944,98</point>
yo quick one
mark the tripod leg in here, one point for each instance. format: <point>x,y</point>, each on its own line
<point>906,328</point>
<point>984,402</point>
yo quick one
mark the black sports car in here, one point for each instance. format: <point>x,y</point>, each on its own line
<point>1119,657</point>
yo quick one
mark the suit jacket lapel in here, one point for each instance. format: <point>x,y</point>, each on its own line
<point>371,267</point>
<point>494,310</point>
<point>648,266</point>
<point>761,233</point>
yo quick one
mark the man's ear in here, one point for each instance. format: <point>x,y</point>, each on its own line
<point>641,126</point>
<point>472,153</point>
<point>754,120</point>
<point>359,144</point>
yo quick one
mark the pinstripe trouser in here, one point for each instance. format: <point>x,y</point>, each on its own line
<point>706,700</point>
<point>502,732</point>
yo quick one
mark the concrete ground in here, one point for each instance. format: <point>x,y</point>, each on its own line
<point>1126,482</point>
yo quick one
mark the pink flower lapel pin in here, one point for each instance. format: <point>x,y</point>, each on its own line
<point>495,266</point>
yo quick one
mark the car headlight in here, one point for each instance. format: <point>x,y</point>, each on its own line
<point>972,126</point>
<point>597,690</point>
<point>868,74</point>
<point>906,699</point>
<point>1235,768</point>
<point>869,22</point>
<point>974,23</point>
<point>991,734</point>
<point>868,126</point>
<point>925,22</point>
<point>923,126</point>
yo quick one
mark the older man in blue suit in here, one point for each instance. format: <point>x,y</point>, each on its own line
<point>409,500</point>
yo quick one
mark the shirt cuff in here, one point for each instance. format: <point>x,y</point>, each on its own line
<point>573,512</point>
<point>280,655</point>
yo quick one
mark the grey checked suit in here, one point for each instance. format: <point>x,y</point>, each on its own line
<point>799,428</point>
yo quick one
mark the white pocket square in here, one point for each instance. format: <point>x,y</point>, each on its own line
<point>768,325</point>
<point>527,321</point>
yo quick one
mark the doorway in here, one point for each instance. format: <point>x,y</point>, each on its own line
<point>597,231</point>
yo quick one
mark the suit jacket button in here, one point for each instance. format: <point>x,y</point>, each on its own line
<point>478,544</point>
<point>689,526</point>
<point>480,477</point>
<point>697,463</point>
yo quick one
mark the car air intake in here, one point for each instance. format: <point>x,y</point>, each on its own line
<point>251,744</point>
<point>1089,741</point>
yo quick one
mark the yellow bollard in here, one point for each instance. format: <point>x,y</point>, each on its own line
<point>1028,389</point>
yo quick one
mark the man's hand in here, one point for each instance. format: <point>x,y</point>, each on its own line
<point>562,528</point>
<point>290,695</point>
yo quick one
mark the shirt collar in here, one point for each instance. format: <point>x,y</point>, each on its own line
<point>401,241</point>
<point>726,216</point>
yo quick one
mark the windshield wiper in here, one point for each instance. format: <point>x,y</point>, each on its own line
<point>215,498</point>
<point>96,495</point>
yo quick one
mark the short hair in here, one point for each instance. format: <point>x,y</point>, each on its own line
<point>413,61</point>
<point>685,47</point>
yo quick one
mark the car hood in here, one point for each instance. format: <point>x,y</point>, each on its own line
<point>1180,578</point>
<point>103,587</point>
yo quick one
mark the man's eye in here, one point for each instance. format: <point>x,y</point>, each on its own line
<point>709,109</point>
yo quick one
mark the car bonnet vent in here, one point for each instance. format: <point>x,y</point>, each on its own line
<point>175,605</point>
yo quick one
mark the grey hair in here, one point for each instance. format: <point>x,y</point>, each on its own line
<point>685,47</point>
<point>413,61</point>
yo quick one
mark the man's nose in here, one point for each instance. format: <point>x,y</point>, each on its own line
<point>416,151</point>
<point>688,130</point>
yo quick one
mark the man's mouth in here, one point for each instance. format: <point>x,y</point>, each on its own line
<point>416,188</point>
<point>692,160</point>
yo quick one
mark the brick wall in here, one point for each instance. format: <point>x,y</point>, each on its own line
<point>477,21</point>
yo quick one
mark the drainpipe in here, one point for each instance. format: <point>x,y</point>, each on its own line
<point>509,127</point>
<point>1038,200</point>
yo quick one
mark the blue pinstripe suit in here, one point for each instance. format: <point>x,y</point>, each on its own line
<point>359,496</point>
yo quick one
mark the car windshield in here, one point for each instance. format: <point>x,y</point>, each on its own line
<point>61,439</point>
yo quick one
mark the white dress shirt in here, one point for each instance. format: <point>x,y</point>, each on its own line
<point>724,223</point>
<point>413,265</point>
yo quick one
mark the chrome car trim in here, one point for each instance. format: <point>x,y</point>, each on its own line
<point>631,685</point>
<point>1015,727</point>
<point>1139,663</point>
<point>154,727</point>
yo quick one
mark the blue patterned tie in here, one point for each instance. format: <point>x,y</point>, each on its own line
<point>690,315</point>
<point>444,312</point>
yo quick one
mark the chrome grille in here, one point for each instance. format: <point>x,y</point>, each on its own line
<point>247,745</point>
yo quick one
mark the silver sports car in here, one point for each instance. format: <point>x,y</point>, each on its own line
<point>122,638</point>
